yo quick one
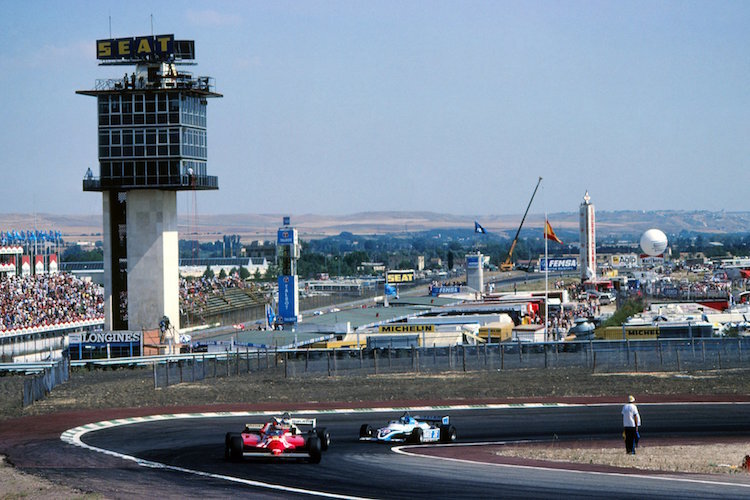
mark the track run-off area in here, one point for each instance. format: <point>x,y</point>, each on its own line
<point>182,454</point>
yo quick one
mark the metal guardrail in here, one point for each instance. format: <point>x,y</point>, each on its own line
<point>150,360</point>
<point>28,368</point>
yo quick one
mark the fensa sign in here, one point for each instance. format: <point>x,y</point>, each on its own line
<point>135,48</point>
<point>559,264</point>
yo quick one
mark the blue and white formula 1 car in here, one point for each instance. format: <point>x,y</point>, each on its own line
<point>414,430</point>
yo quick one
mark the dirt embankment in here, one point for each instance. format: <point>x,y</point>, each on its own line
<point>133,388</point>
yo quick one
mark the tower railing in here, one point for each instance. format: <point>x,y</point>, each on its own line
<point>181,182</point>
<point>180,81</point>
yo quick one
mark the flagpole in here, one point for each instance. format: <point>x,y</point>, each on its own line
<point>546,280</point>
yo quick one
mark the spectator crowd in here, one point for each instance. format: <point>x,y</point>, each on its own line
<point>48,299</point>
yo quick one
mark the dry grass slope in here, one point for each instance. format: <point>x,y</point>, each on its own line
<point>127,388</point>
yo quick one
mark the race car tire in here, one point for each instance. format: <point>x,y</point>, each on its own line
<point>235,448</point>
<point>416,436</point>
<point>447,434</point>
<point>227,446</point>
<point>314,449</point>
<point>325,438</point>
<point>365,431</point>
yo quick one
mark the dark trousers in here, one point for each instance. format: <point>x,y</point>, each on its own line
<point>629,439</point>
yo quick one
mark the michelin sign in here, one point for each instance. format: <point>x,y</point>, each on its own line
<point>559,264</point>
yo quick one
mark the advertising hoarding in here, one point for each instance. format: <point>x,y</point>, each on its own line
<point>472,262</point>
<point>558,264</point>
<point>405,328</point>
<point>286,237</point>
<point>288,307</point>
<point>400,276</point>
<point>104,337</point>
<point>134,48</point>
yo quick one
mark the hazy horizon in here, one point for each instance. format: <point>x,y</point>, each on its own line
<point>338,107</point>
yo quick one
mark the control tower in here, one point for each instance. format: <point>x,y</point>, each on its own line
<point>287,253</point>
<point>152,143</point>
<point>587,234</point>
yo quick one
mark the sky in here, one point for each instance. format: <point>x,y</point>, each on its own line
<point>340,107</point>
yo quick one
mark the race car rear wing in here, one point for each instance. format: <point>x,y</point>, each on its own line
<point>254,427</point>
<point>293,421</point>
<point>434,420</point>
<point>305,421</point>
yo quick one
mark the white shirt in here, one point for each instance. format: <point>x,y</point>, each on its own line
<point>630,416</point>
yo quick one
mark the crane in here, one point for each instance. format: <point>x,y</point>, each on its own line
<point>508,265</point>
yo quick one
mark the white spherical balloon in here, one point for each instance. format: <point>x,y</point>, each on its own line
<point>653,242</point>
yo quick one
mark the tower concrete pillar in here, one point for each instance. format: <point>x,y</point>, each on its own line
<point>475,271</point>
<point>153,258</point>
<point>107,248</point>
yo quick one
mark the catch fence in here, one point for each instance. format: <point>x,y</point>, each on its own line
<point>36,387</point>
<point>598,356</point>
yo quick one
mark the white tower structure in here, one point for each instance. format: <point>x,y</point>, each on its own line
<point>587,224</point>
<point>475,271</point>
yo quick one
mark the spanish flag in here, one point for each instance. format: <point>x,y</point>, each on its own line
<point>550,234</point>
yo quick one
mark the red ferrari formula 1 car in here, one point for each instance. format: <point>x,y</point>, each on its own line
<point>280,437</point>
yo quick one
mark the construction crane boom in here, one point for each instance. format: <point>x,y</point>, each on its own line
<point>508,265</point>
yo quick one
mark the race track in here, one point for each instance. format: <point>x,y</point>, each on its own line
<point>192,451</point>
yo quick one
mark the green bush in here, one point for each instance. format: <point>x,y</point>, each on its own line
<point>628,309</point>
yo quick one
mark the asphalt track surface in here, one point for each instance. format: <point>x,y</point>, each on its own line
<point>351,468</point>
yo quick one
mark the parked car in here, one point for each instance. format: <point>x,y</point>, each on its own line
<point>606,298</point>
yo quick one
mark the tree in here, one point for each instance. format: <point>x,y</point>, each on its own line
<point>271,272</point>
<point>222,274</point>
<point>208,273</point>
<point>75,253</point>
<point>245,274</point>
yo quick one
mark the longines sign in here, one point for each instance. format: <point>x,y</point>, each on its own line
<point>104,337</point>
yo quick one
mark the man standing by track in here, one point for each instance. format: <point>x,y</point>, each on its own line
<point>631,420</point>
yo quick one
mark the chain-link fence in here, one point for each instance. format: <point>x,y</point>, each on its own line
<point>598,356</point>
<point>38,386</point>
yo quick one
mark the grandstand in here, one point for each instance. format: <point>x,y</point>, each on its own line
<point>232,305</point>
<point>9,256</point>
<point>188,267</point>
<point>196,267</point>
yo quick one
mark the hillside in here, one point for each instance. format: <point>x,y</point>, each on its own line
<point>627,224</point>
